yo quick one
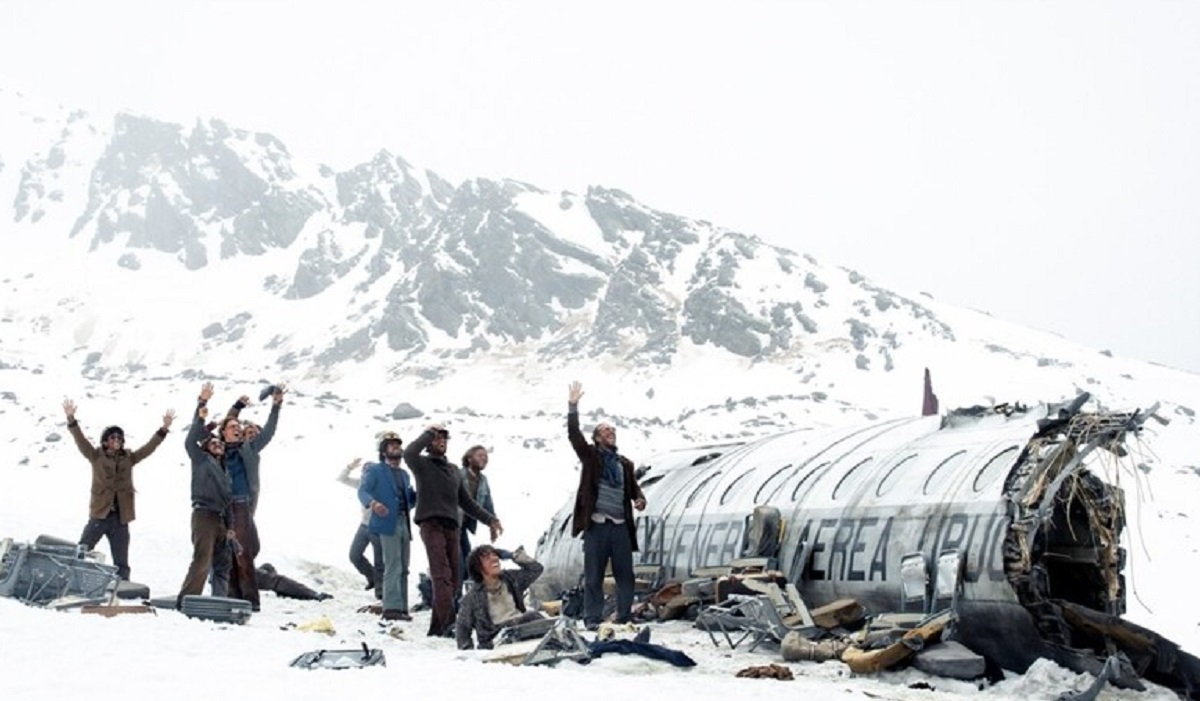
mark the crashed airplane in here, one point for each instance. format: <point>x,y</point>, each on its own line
<point>1006,498</point>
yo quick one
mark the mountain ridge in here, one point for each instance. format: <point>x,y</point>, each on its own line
<point>390,271</point>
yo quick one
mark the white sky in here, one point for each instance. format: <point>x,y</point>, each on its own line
<point>1039,161</point>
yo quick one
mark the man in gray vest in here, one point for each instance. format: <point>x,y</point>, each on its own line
<point>608,494</point>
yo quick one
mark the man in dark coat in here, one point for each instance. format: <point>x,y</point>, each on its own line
<point>233,568</point>
<point>608,494</point>
<point>212,497</point>
<point>270,580</point>
<point>442,493</point>
<point>111,508</point>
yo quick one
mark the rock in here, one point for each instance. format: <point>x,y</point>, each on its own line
<point>404,410</point>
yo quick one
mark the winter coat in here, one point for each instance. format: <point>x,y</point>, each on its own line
<point>249,450</point>
<point>211,486</point>
<point>483,495</point>
<point>112,473</point>
<point>378,484</point>
<point>473,615</point>
<point>441,488</point>
<point>589,481</point>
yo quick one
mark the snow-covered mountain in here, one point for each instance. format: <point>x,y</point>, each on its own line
<point>189,243</point>
<point>141,258</point>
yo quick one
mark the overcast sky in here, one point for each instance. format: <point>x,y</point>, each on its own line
<point>1036,160</point>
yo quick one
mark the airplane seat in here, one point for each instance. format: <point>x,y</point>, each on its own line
<point>948,581</point>
<point>763,533</point>
<point>914,583</point>
<point>914,595</point>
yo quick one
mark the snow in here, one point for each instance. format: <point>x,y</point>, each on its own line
<point>573,225</point>
<point>60,303</point>
<point>306,522</point>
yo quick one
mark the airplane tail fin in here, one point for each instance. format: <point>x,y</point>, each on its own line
<point>929,402</point>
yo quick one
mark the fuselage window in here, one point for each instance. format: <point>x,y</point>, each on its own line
<point>995,467</point>
<point>889,479</point>
<point>772,482</point>
<point>737,480</point>
<point>805,478</point>
<point>943,469</point>
<point>842,483</point>
<point>700,487</point>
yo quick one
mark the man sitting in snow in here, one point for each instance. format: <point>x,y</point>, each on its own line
<point>498,599</point>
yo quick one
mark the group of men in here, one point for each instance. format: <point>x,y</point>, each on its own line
<point>444,501</point>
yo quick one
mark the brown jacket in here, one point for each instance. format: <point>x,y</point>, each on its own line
<point>112,475</point>
<point>589,482</point>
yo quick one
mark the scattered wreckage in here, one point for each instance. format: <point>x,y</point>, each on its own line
<point>56,573</point>
<point>987,528</point>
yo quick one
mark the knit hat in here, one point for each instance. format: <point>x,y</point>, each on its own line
<point>112,431</point>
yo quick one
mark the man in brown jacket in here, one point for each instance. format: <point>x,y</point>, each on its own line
<point>608,494</point>
<point>111,507</point>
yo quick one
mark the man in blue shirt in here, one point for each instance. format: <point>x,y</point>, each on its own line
<point>387,491</point>
<point>237,579</point>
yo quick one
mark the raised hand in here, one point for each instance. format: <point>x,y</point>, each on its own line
<point>574,393</point>
<point>244,400</point>
<point>168,417</point>
<point>435,428</point>
<point>69,409</point>
<point>206,391</point>
<point>278,395</point>
<point>355,463</point>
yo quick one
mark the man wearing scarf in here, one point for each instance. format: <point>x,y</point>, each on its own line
<point>608,494</point>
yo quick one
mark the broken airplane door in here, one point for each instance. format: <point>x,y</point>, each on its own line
<point>991,510</point>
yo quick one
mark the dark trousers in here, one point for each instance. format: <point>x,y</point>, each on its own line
<point>270,580</point>
<point>441,548</point>
<point>358,546</point>
<point>464,549</point>
<point>222,566</point>
<point>118,539</point>
<point>208,536</point>
<point>243,583</point>
<point>601,542</point>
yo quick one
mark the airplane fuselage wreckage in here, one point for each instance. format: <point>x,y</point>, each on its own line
<point>996,514</point>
